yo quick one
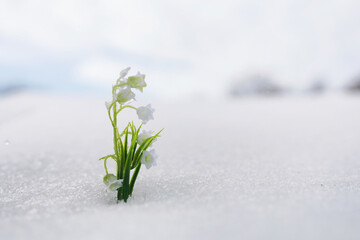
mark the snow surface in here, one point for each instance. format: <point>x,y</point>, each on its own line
<point>272,168</point>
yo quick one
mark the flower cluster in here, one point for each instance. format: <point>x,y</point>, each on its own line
<point>130,146</point>
<point>123,94</point>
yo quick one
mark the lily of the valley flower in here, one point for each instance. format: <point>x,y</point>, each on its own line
<point>111,182</point>
<point>137,81</point>
<point>149,158</point>
<point>115,185</point>
<point>124,95</point>
<point>143,136</point>
<point>145,113</point>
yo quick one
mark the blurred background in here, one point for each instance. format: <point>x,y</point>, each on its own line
<point>188,49</point>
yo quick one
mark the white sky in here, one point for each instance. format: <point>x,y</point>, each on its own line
<point>184,47</point>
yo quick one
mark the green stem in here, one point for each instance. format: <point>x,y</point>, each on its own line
<point>116,149</point>
<point>106,166</point>
<point>115,135</point>
<point>126,106</point>
<point>109,109</point>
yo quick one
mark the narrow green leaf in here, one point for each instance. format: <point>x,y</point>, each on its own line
<point>137,132</point>
<point>145,144</point>
<point>133,178</point>
<point>133,162</point>
<point>129,160</point>
<point>126,140</point>
<point>121,160</point>
<point>105,166</point>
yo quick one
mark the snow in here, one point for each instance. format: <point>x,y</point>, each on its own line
<point>256,168</point>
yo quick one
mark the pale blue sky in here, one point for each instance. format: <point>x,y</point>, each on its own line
<point>186,48</point>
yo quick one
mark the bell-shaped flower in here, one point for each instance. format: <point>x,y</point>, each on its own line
<point>145,113</point>
<point>143,136</point>
<point>115,185</point>
<point>124,95</point>
<point>111,182</point>
<point>149,158</point>
<point>137,81</point>
<point>109,178</point>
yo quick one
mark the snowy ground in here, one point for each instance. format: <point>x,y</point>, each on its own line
<point>281,168</point>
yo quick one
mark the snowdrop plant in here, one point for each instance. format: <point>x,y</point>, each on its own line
<point>130,146</point>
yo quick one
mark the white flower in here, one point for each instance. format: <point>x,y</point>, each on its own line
<point>115,185</point>
<point>145,113</point>
<point>137,81</point>
<point>124,95</point>
<point>149,158</point>
<point>111,182</point>
<point>143,136</point>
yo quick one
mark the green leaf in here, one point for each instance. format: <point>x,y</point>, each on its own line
<point>137,132</point>
<point>133,162</point>
<point>129,160</point>
<point>122,160</point>
<point>126,140</point>
<point>133,178</point>
<point>145,144</point>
